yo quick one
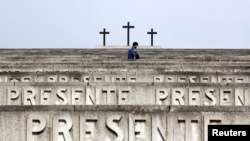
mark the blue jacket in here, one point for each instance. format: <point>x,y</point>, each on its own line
<point>132,52</point>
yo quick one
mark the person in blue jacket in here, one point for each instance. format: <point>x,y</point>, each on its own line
<point>132,52</point>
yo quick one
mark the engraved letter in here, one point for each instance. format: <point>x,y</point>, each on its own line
<point>137,128</point>
<point>90,99</point>
<point>29,97</point>
<point>112,126</point>
<point>225,97</point>
<point>188,130</point>
<point>35,124</point>
<point>158,129</point>
<point>45,95</point>
<point>177,97</point>
<point>76,96</point>
<point>210,119</point>
<point>194,96</point>
<point>61,94</point>
<point>161,96</point>
<point>241,97</point>
<point>87,125</point>
<point>108,95</point>
<point>13,94</point>
<point>124,96</point>
<point>210,96</point>
<point>61,127</point>
<point>192,79</point>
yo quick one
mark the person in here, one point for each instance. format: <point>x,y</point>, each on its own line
<point>132,52</point>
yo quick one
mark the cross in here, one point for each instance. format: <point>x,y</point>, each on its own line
<point>152,33</point>
<point>104,35</point>
<point>128,27</point>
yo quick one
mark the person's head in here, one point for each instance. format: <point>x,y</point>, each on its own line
<point>135,44</point>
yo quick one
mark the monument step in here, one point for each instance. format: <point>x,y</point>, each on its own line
<point>228,69</point>
<point>47,124</point>
<point>168,94</point>
<point>137,84</point>
<point>124,108</point>
<point>128,66</point>
<point>213,94</point>
<point>82,122</point>
<point>130,71</point>
<point>124,77</point>
<point>127,63</point>
<point>198,55</point>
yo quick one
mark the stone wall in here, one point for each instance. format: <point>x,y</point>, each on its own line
<point>97,95</point>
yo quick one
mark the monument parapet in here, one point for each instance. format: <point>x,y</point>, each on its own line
<point>127,47</point>
<point>98,95</point>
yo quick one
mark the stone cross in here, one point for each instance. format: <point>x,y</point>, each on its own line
<point>152,33</point>
<point>104,35</point>
<point>128,27</point>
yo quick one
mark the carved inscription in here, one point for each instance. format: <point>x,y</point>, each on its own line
<point>126,95</point>
<point>126,127</point>
<point>35,126</point>
<point>172,78</point>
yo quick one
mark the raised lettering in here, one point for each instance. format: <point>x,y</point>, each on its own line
<point>90,99</point>
<point>45,96</point>
<point>194,98</point>
<point>210,96</point>
<point>29,96</point>
<point>87,126</point>
<point>13,94</point>
<point>158,129</point>
<point>61,94</point>
<point>113,127</point>
<point>35,125</point>
<point>124,96</point>
<point>62,125</point>
<point>177,97</point>
<point>241,97</point>
<point>161,96</point>
<point>77,95</point>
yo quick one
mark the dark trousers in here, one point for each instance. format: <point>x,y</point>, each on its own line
<point>137,56</point>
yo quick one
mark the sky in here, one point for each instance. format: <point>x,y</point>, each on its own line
<point>77,23</point>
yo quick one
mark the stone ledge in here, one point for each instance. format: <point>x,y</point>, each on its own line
<point>128,72</point>
<point>94,108</point>
<point>127,47</point>
<point>135,84</point>
<point>126,108</point>
<point>209,108</point>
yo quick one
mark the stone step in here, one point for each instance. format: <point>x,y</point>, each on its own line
<point>151,84</point>
<point>124,58</point>
<point>147,54</point>
<point>158,69</point>
<point>153,123</point>
<point>124,108</point>
<point>124,77</point>
<point>125,94</point>
<point>181,84</point>
<point>122,63</point>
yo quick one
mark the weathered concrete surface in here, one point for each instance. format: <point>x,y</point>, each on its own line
<point>77,59</point>
<point>96,94</point>
<point>148,125</point>
<point>126,94</point>
<point>84,55</point>
<point>174,77</point>
<point>123,108</point>
<point>128,47</point>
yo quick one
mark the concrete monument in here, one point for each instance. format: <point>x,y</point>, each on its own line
<point>97,95</point>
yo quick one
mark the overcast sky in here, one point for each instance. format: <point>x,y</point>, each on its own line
<point>77,23</point>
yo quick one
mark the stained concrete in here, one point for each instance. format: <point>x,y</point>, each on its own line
<point>168,94</point>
